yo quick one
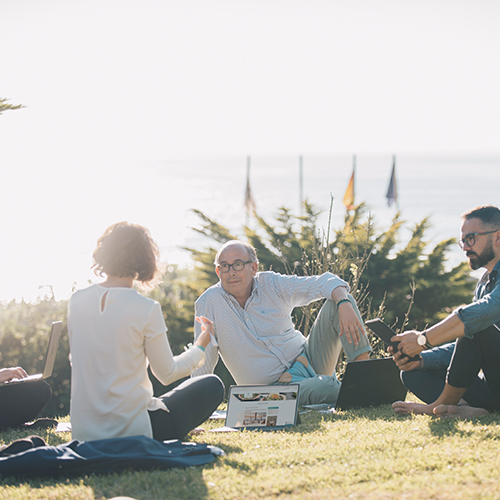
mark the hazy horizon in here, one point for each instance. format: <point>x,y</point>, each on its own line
<point>54,246</point>
<point>113,88</point>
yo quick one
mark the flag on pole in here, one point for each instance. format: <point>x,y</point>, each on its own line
<point>249,201</point>
<point>392,190</point>
<point>349,194</point>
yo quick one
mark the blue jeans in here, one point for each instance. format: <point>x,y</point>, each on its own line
<point>428,385</point>
<point>461,369</point>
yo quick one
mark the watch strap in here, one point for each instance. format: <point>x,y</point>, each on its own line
<point>427,344</point>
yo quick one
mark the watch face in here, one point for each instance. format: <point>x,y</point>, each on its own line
<point>421,340</point>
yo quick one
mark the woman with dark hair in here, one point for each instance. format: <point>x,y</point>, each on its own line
<point>115,333</point>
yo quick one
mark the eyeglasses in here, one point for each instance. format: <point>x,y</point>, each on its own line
<point>470,239</point>
<point>237,265</point>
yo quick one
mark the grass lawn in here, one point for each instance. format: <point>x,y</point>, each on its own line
<point>367,453</point>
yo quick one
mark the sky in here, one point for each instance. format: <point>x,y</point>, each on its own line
<point>160,79</point>
<point>111,82</point>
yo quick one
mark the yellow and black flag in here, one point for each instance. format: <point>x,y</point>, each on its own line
<point>349,193</point>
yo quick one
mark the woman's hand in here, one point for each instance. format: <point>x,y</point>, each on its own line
<point>11,373</point>
<point>207,329</point>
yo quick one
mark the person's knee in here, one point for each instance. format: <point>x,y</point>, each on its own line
<point>409,378</point>
<point>329,312</point>
<point>45,391</point>
<point>319,390</point>
<point>213,385</point>
<point>39,392</point>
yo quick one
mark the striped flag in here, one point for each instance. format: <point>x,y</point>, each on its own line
<point>349,194</point>
<point>392,190</point>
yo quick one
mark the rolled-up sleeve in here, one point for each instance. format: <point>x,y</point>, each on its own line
<point>480,314</point>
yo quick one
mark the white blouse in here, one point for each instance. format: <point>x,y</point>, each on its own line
<point>113,333</point>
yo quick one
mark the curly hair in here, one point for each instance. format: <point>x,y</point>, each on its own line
<point>127,250</point>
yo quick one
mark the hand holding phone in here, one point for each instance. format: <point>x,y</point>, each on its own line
<point>385,333</point>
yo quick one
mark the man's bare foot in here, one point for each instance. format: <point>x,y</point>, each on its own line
<point>461,411</point>
<point>406,408</point>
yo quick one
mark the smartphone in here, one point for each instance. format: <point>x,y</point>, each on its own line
<point>385,332</point>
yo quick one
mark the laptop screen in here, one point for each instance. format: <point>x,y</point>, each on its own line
<point>262,406</point>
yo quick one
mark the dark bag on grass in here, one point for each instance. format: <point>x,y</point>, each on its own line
<point>33,457</point>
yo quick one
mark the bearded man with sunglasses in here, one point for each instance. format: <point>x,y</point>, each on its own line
<point>254,333</point>
<point>476,329</point>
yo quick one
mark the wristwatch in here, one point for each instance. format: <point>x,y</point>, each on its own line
<point>423,342</point>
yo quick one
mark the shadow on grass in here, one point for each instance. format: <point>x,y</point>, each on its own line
<point>438,426</point>
<point>443,427</point>
<point>383,412</point>
<point>183,483</point>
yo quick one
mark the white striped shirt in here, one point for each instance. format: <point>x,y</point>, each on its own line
<point>259,342</point>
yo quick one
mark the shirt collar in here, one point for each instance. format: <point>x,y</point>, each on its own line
<point>489,280</point>
<point>493,277</point>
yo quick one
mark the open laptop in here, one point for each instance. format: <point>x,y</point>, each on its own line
<point>261,407</point>
<point>370,382</point>
<point>50,358</point>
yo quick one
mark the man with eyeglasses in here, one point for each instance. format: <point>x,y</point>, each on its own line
<point>254,332</point>
<point>459,391</point>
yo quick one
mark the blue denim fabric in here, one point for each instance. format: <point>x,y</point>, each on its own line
<point>428,385</point>
<point>428,382</point>
<point>438,357</point>
<point>485,310</point>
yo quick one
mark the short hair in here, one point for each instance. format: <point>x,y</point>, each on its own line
<point>487,214</point>
<point>252,253</point>
<point>127,250</point>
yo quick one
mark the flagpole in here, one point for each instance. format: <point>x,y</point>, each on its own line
<point>301,184</point>
<point>394,170</point>
<point>247,191</point>
<point>249,201</point>
<point>354,170</point>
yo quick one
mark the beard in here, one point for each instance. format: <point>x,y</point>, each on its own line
<point>480,260</point>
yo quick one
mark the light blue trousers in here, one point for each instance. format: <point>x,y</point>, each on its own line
<point>318,382</point>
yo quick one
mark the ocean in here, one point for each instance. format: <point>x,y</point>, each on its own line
<point>53,224</point>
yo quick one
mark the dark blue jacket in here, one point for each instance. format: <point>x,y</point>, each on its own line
<point>103,456</point>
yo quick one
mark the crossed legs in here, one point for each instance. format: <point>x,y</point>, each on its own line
<point>189,404</point>
<point>20,403</point>
<point>470,356</point>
